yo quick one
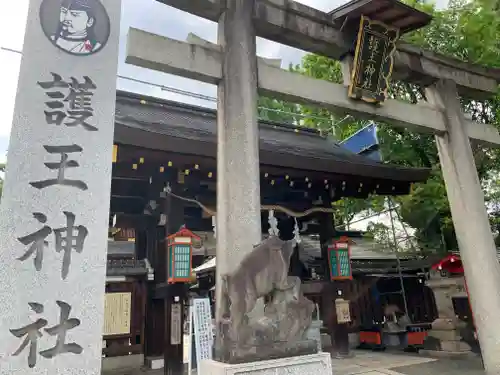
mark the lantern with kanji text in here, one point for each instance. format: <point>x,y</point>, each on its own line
<point>180,256</point>
<point>339,259</point>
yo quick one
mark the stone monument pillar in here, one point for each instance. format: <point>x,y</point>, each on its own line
<point>444,338</point>
<point>54,215</point>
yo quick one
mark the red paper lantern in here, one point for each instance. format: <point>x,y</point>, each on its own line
<point>451,264</point>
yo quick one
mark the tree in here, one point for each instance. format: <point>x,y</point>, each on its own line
<point>469,31</point>
<point>278,111</point>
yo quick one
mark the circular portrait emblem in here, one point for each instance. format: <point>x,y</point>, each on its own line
<point>78,27</point>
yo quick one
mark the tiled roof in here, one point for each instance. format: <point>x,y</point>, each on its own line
<point>361,248</point>
<point>121,261</point>
<point>165,122</point>
<point>121,248</point>
<point>367,257</point>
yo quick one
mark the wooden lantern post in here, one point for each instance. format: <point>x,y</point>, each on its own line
<point>179,274</point>
<point>339,260</point>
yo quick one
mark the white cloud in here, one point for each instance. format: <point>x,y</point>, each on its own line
<point>149,15</point>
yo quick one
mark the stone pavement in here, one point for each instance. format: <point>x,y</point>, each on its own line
<point>379,363</point>
<point>470,366</point>
<point>376,363</point>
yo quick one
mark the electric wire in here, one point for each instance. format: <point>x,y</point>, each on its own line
<point>198,96</point>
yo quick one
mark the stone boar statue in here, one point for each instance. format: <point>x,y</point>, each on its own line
<point>262,271</point>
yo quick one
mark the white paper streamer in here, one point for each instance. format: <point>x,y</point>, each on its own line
<point>273,224</point>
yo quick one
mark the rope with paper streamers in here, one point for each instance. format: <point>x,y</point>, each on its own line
<point>264,207</point>
<point>363,290</point>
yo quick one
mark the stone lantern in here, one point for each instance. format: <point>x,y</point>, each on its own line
<point>445,334</point>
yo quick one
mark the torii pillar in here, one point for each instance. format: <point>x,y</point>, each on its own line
<point>238,178</point>
<point>472,227</point>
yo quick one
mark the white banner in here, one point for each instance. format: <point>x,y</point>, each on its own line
<point>200,324</point>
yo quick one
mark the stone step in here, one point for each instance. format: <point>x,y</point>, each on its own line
<point>155,363</point>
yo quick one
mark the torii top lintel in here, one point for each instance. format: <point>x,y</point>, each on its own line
<point>283,21</point>
<point>393,13</point>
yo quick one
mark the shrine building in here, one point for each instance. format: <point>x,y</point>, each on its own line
<point>163,146</point>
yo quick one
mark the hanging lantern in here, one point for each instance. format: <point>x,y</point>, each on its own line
<point>180,256</point>
<point>339,259</point>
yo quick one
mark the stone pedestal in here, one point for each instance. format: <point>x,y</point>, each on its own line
<point>444,336</point>
<point>317,364</point>
<point>447,332</point>
<point>314,333</point>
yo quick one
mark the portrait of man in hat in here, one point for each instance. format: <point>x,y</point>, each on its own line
<point>75,32</point>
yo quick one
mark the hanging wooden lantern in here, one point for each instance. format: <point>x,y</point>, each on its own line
<point>339,259</point>
<point>180,256</point>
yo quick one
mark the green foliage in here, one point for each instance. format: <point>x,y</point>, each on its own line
<point>467,30</point>
<point>426,210</point>
<point>381,234</point>
<point>278,111</point>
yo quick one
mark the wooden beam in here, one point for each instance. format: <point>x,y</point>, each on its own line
<point>126,220</point>
<point>155,159</point>
<point>128,188</point>
<point>303,27</point>
<point>128,197</point>
<point>274,183</point>
<point>201,63</point>
<point>174,211</point>
<point>127,206</point>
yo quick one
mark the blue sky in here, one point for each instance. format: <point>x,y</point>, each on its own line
<point>148,15</point>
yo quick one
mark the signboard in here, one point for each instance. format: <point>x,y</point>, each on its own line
<point>373,61</point>
<point>53,213</point>
<point>117,313</point>
<point>175,324</point>
<point>343,311</point>
<point>339,259</point>
<point>180,251</point>
<point>201,324</point>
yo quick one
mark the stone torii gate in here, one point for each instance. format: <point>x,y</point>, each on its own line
<point>232,64</point>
